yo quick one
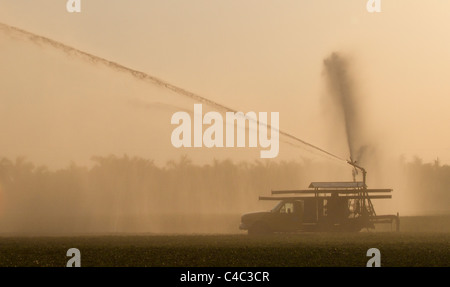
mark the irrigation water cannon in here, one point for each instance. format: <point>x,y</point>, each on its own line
<point>364,172</point>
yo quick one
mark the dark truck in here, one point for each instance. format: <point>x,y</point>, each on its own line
<point>327,207</point>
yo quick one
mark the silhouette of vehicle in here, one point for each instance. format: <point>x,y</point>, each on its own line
<point>326,207</point>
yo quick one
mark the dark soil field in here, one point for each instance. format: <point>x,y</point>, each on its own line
<point>397,249</point>
<point>405,248</point>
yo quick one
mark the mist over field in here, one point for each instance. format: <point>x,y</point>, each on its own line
<point>123,194</point>
<point>85,141</point>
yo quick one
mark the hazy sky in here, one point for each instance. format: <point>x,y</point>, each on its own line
<point>250,55</point>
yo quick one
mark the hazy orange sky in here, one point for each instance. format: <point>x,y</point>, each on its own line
<point>250,55</point>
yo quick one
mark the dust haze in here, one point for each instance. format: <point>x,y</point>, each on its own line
<point>86,149</point>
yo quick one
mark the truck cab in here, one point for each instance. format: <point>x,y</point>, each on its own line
<point>286,216</point>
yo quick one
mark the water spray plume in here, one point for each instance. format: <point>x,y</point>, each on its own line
<point>341,93</point>
<point>71,51</point>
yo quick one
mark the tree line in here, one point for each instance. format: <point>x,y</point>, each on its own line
<point>115,187</point>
